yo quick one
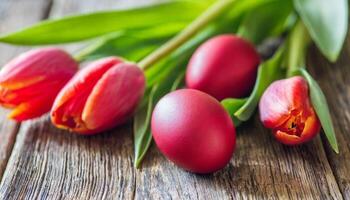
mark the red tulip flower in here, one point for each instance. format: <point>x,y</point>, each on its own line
<point>102,95</point>
<point>30,82</point>
<point>286,109</point>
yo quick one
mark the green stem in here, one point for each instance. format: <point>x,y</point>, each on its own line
<point>298,43</point>
<point>212,13</point>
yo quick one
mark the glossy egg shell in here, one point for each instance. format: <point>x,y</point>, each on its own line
<point>194,131</point>
<point>224,66</point>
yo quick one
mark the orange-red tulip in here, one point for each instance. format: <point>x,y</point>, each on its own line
<point>30,82</point>
<point>286,109</point>
<point>102,95</point>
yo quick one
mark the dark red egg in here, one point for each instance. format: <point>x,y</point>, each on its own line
<point>224,66</point>
<point>193,130</point>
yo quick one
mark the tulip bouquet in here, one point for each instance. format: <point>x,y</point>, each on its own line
<point>137,56</point>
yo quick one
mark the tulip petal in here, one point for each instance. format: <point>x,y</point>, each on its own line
<point>286,138</point>
<point>114,97</point>
<point>23,83</point>
<point>14,97</point>
<point>281,98</point>
<point>310,129</point>
<point>37,65</point>
<point>31,109</point>
<point>69,104</point>
<point>312,126</point>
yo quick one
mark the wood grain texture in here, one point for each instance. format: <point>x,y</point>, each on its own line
<point>50,164</point>
<point>10,19</point>
<point>334,79</point>
<point>260,169</point>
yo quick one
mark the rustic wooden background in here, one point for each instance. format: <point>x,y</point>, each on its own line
<point>38,161</point>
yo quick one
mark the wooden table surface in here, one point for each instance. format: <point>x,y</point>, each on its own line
<point>37,161</point>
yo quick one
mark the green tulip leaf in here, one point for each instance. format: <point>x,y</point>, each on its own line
<point>319,102</point>
<point>327,23</point>
<point>268,71</point>
<point>142,134</point>
<point>86,26</point>
<point>131,45</point>
<point>267,20</point>
<point>179,81</point>
<point>231,105</point>
<point>127,46</point>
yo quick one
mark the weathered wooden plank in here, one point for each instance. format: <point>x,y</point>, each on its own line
<point>335,82</point>
<point>51,164</point>
<point>261,168</point>
<point>14,14</point>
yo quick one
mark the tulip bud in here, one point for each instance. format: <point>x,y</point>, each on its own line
<point>30,82</point>
<point>102,95</point>
<point>286,109</point>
